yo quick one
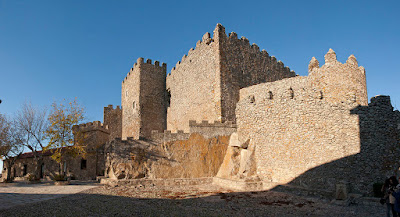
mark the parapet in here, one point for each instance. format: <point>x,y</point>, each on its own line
<point>110,108</point>
<point>167,136</point>
<point>381,101</point>
<point>90,126</point>
<point>209,130</point>
<point>330,59</point>
<point>140,62</point>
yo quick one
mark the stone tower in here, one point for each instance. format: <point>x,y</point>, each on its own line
<point>339,82</point>
<point>143,99</point>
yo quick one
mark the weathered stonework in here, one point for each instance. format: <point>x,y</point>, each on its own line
<point>113,119</point>
<point>143,99</point>
<point>205,84</point>
<point>302,123</point>
<point>234,113</point>
<point>95,136</point>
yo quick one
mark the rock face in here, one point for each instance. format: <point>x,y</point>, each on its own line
<point>239,161</point>
<point>191,158</point>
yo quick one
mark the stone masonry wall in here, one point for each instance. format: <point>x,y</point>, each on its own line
<point>205,84</point>
<point>209,130</point>
<point>143,99</point>
<point>194,86</point>
<point>378,156</point>
<point>113,119</point>
<point>295,126</point>
<point>243,65</point>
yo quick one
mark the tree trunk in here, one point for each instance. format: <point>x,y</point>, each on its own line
<point>9,163</point>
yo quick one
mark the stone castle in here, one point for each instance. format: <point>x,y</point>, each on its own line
<point>230,111</point>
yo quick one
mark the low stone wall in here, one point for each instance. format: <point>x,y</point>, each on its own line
<point>158,182</point>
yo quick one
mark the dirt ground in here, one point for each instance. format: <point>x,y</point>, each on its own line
<point>199,200</point>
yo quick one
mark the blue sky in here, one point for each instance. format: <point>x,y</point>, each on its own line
<point>51,50</point>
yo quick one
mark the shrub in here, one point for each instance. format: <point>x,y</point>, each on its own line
<point>32,177</point>
<point>59,177</point>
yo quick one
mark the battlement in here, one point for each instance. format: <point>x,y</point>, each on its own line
<point>381,101</point>
<point>206,40</point>
<point>212,129</point>
<point>331,61</point>
<point>232,38</point>
<point>140,63</point>
<point>340,81</point>
<point>110,108</point>
<point>167,136</point>
<point>91,126</point>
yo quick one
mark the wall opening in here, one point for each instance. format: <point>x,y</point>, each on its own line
<point>291,93</point>
<point>270,95</point>
<point>168,98</point>
<point>24,172</point>
<point>83,164</point>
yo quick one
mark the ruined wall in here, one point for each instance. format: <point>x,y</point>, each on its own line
<point>190,158</point>
<point>113,119</point>
<point>143,99</point>
<point>243,65</point>
<point>194,87</point>
<point>294,124</point>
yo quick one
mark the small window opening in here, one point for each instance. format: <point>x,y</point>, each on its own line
<point>168,98</point>
<point>126,93</point>
<point>83,164</point>
<point>252,99</point>
<point>134,105</point>
<point>291,93</point>
<point>25,170</point>
<point>270,95</point>
<point>321,96</point>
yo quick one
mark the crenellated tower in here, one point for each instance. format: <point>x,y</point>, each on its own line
<point>339,82</point>
<point>113,119</point>
<point>143,99</point>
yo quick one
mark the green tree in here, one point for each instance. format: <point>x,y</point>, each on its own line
<point>62,140</point>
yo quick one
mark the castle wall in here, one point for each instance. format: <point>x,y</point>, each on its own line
<point>209,130</point>
<point>194,86</point>
<point>143,99</point>
<point>377,159</point>
<point>243,65</point>
<point>205,84</point>
<point>113,119</point>
<point>129,101</point>
<point>296,125</point>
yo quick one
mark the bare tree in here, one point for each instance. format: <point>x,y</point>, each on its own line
<point>10,150</point>
<point>30,125</point>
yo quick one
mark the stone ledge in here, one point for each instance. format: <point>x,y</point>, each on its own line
<point>238,184</point>
<point>158,182</point>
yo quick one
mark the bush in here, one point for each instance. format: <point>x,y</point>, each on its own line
<point>59,177</point>
<point>377,189</point>
<point>32,177</point>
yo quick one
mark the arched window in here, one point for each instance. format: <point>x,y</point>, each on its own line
<point>270,95</point>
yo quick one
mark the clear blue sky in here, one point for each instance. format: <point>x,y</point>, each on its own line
<point>51,50</point>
